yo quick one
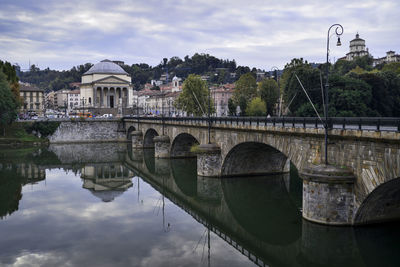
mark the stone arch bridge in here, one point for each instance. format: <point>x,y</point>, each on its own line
<point>361,185</point>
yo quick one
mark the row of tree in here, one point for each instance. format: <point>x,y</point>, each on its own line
<point>10,100</point>
<point>356,88</point>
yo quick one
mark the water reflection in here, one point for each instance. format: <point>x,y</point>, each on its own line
<point>259,218</point>
<point>106,181</point>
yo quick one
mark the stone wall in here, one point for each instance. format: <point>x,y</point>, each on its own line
<point>89,131</point>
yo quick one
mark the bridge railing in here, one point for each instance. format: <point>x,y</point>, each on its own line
<point>345,123</point>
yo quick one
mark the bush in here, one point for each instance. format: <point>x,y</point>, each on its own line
<point>45,128</point>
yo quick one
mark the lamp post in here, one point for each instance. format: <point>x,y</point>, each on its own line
<point>83,103</point>
<point>209,115</point>
<point>276,70</point>
<point>137,108</point>
<point>162,113</point>
<point>339,32</point>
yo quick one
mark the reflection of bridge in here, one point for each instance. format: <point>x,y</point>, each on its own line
<point>356,188</point>
<point>204,199</point>
<point>273,233</point>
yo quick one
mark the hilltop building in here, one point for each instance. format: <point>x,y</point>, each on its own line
<point>390,57</point>
<point>357,48</point>
<point>107,89</point>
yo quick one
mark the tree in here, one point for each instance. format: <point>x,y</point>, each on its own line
<point>245,90</point>
<point>309,77</point>
<point>194,98</point>
<point>256,107</point>
<point>269,92</point>
<point>231,107</point>
<point>8,103</point>
<point>12,78</point>
<point>393,66</point>
<point>349,96</point>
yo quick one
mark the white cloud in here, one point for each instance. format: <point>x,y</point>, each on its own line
<point>255,33</point>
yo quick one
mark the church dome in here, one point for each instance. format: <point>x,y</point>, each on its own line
<point>106,67</point>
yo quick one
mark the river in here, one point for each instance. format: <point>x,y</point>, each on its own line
<point>109,205</point>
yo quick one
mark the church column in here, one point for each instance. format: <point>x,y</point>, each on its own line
<point>115,98</point>
<point>102,97</point>
<point>94,97</point>
<point>107,97</point>
<point>125,96</point>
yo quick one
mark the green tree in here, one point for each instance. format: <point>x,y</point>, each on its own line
<point>8,103</point>
<point>269,92</point>
<point>349,96</point>
<point>12,78</point>
<point>231,107</point>
<point>194,98</point>
<point>245,90</point>
<point>310,78</point>
<point>394,67</point>
<point>256,107</point>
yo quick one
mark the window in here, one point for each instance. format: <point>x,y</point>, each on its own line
<point>90,100</point>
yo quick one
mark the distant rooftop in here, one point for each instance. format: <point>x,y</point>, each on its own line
<point>26,87</point>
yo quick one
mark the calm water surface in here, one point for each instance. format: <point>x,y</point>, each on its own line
<point>106,205</point>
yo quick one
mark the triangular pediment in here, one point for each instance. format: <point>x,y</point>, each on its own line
<point>111,79</point>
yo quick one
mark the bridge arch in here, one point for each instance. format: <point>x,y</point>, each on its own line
<point>129,133</point>
<point>254,158</point>
<point>381,205</point>
<point>148,138</point>
<point>182,144</point>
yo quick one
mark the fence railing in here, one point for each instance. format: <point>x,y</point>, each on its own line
<point>348,123</point>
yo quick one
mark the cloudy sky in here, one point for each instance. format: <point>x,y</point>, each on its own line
<point>256,33</point>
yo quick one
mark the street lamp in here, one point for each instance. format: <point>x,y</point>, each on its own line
<point>209,115</point>
<point>137,109</point>
<point>276,70</point>
<point>339,32</point>
<point>83,103</point>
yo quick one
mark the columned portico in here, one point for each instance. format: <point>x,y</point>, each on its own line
<point>109,86</point>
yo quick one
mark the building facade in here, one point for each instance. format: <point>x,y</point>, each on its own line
<point>61,99</point>
<point>33,99</point>
<point>107,89</point>
<point>390,57</point>
<point>221,96</point>
<point>74,100</point>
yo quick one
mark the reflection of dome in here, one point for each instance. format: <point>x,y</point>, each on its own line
<point>106,67</point>
<point>106,196</point>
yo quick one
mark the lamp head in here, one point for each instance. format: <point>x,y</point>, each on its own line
<point>338,42</point>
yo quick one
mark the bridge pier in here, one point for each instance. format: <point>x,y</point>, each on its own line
<point>162,146</point>
<point>137,139</point>
<point>328,194</point>
<point>209,160</point>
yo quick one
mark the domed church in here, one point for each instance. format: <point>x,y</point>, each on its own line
<point>107,89</point>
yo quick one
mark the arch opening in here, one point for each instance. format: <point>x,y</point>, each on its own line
<point>381,205</point>
<point>254,158</point>
<point>181,146</point>
<point>129,133</point>
<point>148,138</point>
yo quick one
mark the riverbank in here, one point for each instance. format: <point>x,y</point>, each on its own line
<point>17,136</point>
